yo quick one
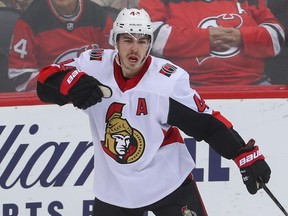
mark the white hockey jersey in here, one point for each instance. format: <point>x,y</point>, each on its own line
<point>152,160</point>
<point>140,156</point>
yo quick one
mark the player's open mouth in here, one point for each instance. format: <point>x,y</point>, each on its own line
<point>133,59</point>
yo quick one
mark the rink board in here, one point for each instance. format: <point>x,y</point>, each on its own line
<point>46,154</point>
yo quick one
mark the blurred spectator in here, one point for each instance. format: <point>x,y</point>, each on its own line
<point>8,17</point>
<point>218,42</point>
<point>51,31</point>
<point>114,6</point>
<point>118,4</point>
<point>277,68</point>
<point>20,5</point>
<point>2,4</point>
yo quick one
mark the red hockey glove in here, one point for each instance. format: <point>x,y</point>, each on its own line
<point>83,90</point>
<point>252,166</point>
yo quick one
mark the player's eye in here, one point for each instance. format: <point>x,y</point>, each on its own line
<point>143,42</point>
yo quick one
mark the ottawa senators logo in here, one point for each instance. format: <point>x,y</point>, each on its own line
<point>122,142</point>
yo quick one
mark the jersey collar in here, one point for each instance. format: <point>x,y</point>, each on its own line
<point>126,84</point>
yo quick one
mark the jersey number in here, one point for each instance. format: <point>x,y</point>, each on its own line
<point>21,48</point>
<point>200,103</point>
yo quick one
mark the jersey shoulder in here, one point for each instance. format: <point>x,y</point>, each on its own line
<point>98,54</point>
<point>94,14</point>
<point>35,13</point>
<point>96,58</point>
<point>165,76</point>
<point>165,69</point>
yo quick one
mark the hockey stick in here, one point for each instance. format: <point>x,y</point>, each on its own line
<point>266,189</point>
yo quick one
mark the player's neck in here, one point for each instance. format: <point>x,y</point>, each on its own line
<point>66,9</point>
<point>128,73</point>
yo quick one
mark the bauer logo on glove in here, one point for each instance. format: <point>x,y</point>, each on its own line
<point>246,159</point>
<point>252,166</point>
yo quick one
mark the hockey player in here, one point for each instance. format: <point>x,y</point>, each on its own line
<point>136,103</point>
<point>219,42</point>
<point>50,31</point>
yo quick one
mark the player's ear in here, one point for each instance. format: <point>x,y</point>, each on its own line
<point>117,42</point>
<point>117,46</point>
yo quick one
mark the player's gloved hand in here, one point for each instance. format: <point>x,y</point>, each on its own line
<point>252,166</point>
<point>83,90</point>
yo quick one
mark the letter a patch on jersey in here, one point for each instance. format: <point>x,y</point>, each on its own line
<point>168,69</point>
<point>141,107</point>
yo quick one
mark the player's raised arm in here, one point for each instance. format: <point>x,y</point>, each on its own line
<point>61,84</point>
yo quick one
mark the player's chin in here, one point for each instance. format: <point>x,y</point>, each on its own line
<point>134,65</point>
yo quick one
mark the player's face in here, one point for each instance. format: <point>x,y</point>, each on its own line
<point>132,49</point>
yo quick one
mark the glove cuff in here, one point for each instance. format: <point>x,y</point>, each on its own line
<point>70,79</point>
<point>248,158</point>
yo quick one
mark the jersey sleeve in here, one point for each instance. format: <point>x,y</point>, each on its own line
<point>267,37</point>
<point>189,112</point>
<point>22,60</point>
<point>262,35</point>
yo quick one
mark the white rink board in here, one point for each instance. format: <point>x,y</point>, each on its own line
<point>29,134</point>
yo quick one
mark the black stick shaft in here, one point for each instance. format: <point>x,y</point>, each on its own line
<point>263,185</point>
